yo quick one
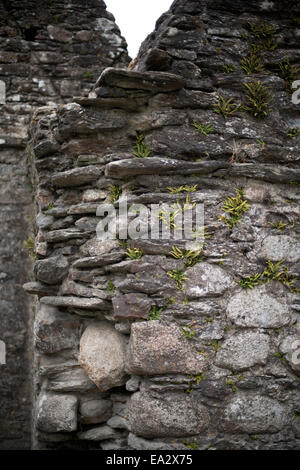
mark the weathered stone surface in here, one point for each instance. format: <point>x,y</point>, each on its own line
<point>76,177</point>
<point>256,308</point>
<point>44,148</point>
<point>57,413</point>
<point>51,270</point>
<point>290,347</point>
<point>95,411</point>
<point>100,433</point>
<point>158,348</point>
<point>152,81</point>
<point>72,380</point>
<point>280,247</point>
<point>131,306</point>
<point>171,415</point>
<point>154,165</point>
<point>138,443</point>
<point>37,288</point>
<point>117,422</point>
<point>98,261</point>
<point>254,414</point>
<point>132,385</point>
<point>76,302</point>
<point>206,280</point>
<point>243,350</point>
<point>102,355</point>
<point>55,331</point>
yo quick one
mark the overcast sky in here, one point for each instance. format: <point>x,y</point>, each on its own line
<point>136,19</point>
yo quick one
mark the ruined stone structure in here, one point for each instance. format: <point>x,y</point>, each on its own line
<point>49,51</point>
<point>144,344</point>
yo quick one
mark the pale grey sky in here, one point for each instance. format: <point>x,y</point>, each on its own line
<point>136,19</point>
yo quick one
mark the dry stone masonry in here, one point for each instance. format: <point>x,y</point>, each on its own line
<point>139,343</point>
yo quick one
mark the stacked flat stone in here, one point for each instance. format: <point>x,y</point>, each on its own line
<point>216,369</point>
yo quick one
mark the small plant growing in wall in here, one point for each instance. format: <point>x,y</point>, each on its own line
<point>274,272</point>
<point>134,253</point>
<point>140,149</point>
<point>110,287</point>
<point>234,206</point>
<point>252,64</point>
<point>155,313</point>
<point>293,132</point>
<point>191,445</point>
<point>191,257</point>
<point>226,107</point>
<point>115,192</point>
<point>257,98</point>
<point>261,29</point>
<point>205,129</point>
<point>228,68</point>
<point>178,276</point>
<point>195,380</point>
<point>188,331</point>
<point>289,72</point>
<point>180,189</point>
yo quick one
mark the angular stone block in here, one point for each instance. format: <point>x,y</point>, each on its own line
<point>255,414</point>
<point>102,355</point>
<point>55,331</point>
<point>131,306</point>
<point>206,279</point>
<point>257,308</point>
<point>280,247</point>
<point>171,415</point>
<point>95,411</point>
<point>57,413</point>
<point>243,350</point>
<point>51,270</point>
<point>158,348</point>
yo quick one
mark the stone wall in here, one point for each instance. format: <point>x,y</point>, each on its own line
<point>50,51</point>
<point>142,344</point>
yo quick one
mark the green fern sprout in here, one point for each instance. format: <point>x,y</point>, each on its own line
<point>293,132</point>
<point>225,107</point>
<point>178,276</point>
<point>258,99</point>
<point>191,257</point>
<point>205,129</point>
<point>115,192</point>
<point>261,30</point>
<point>155,313</point>
<point>110,287</point>
<point>289,72</point>
<point>181,189</point>
<point>228,68</point>
<point>191,445</point>
<point>134,253</point>
<point>251,64</point>
<point>279,225</point>
<point>188,331</point>
<point>140,149</point>
<point>234,207</point>
<point>251,281</point>
<point>273,272</point>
